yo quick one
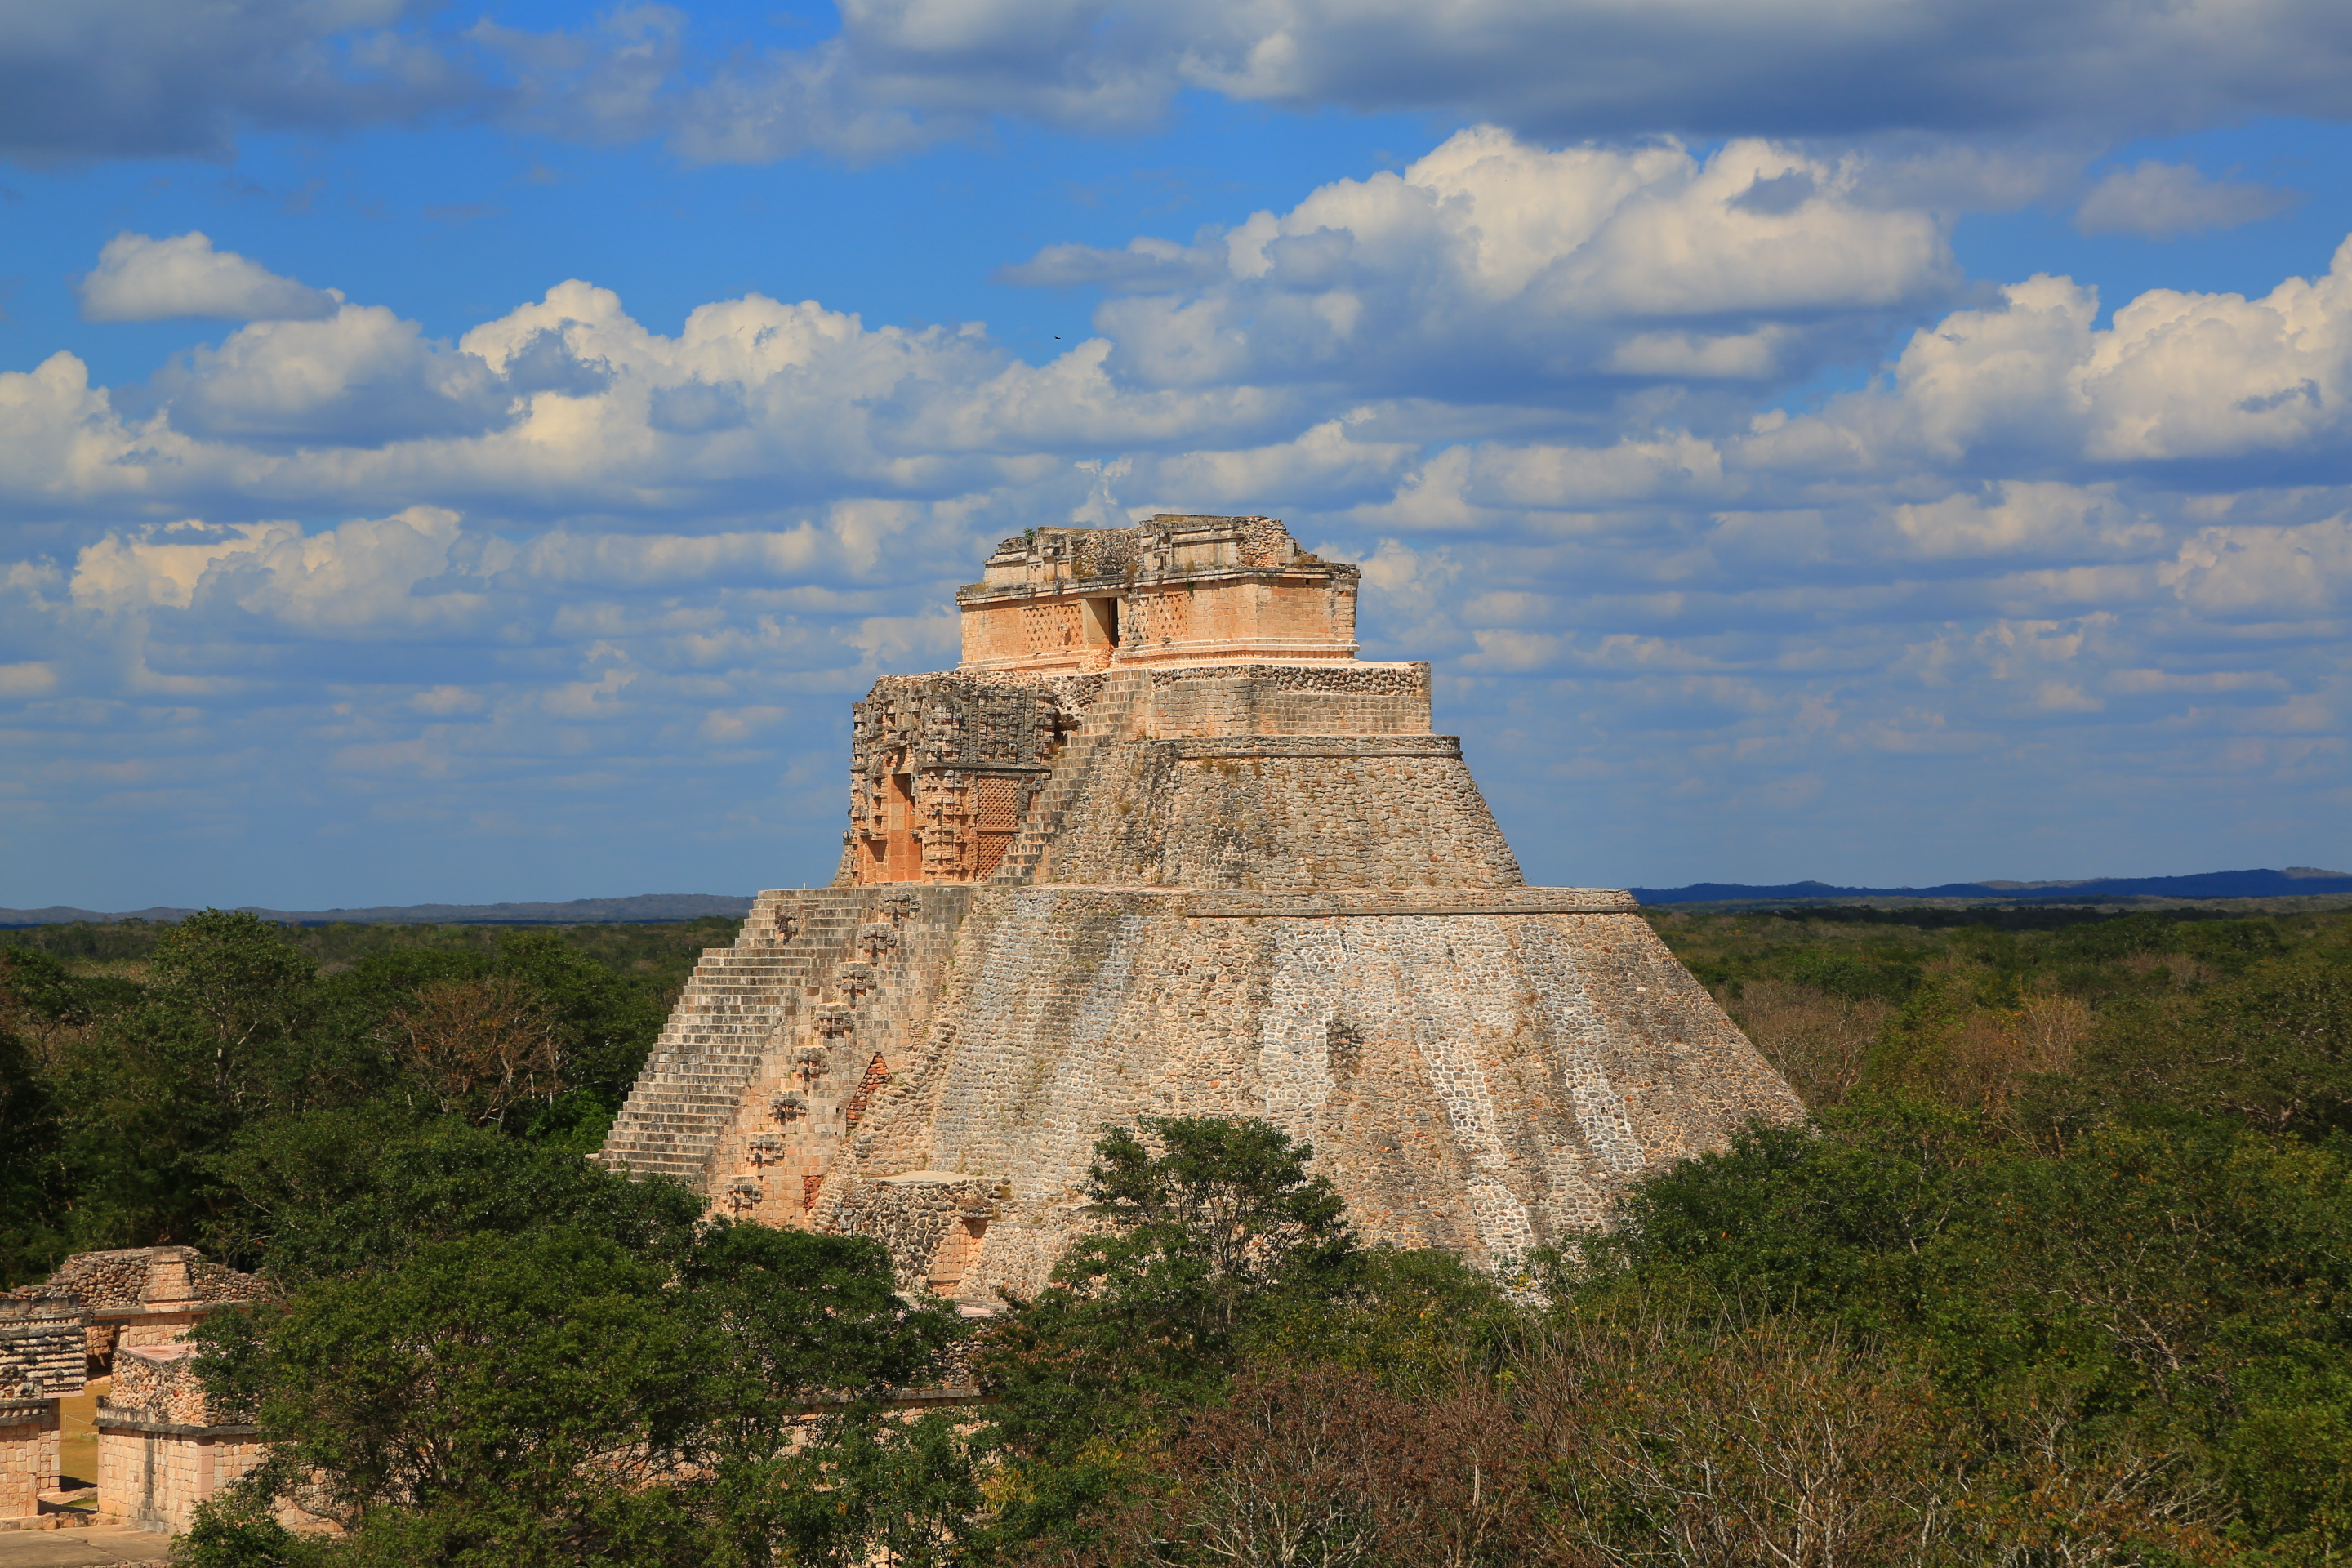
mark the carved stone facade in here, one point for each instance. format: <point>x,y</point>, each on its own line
<point>124,1313</point>
<point>1173,590</point>
<point>942,769</point>
<point>1230,871</point>
<point>41,1362</point>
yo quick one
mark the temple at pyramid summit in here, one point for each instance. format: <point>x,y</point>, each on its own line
<point>1162,843</point>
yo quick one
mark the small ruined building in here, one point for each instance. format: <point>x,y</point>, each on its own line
<point>123,1315</point>
<point>1162,844</point>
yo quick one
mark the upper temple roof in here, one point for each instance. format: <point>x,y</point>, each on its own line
<point>1169,544</point>
<point>1180,588</point>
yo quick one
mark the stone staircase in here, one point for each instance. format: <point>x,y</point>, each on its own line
<point>731,1010</point>
<point>1108,718</point>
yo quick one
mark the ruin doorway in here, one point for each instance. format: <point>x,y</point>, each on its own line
<point>1101,623</point>
<point>901,852</point>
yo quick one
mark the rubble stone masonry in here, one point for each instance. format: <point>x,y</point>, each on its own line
<point>160,1452</point>
<point>127,1312</point>
<point>1162,845</point>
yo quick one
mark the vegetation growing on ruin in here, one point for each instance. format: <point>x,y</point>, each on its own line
<point>2058,1273</point>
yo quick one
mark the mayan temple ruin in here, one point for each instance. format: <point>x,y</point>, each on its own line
<point>123,1315</point>
<point>1162,843</point>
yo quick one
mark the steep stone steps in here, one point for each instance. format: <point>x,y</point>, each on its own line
<point>735,1004</point>
<point>1108,718</point>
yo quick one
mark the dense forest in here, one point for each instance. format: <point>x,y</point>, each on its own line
<point>2055,1274</point>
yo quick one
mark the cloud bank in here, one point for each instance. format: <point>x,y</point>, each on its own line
<point>512,588</point>
<point>149,77</point>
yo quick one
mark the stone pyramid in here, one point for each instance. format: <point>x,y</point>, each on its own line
<point>1162,844</point>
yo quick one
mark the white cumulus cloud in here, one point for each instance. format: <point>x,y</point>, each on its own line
<point>1512,268</point>
<point>1538,392</point>
<point>142,278</point>
<point>2178,376</point>
<point>361,377</point>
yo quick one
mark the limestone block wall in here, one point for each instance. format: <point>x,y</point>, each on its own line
<point>758,1076</point>
<point>1178,588</point>
<point>933,1222</point>
<point>1479,1081</point>
<point>1350,698</point>
<point>156,1326</point>
<point>1305,615</point>
<point>1218,776</point>
<point>152,1476</point>
<point>131,1276</point>
<point>740,999</point>
<point>1342,812</point>
<point>28,1454</point>
<point>160,1451</point>
<point>148,1295</point>
<point>159,1383</point>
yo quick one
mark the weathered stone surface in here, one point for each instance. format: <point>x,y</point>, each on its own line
<point>29,1435</point>
<point>148,1295</point>
<point>126,1311</point>
<point>1237,883</point>
<point>161,1451</point>
<point>42,1343</point>
<point>1175,589</point>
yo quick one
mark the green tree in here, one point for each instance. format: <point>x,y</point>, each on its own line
<point>359,1188</point>
<point>607,1024</point>
<point>798,1325</point>
<point>1223,1213</point>
<point>1218,1232</point>
<point>33,1188</point>
<point>216,1043</point>
<point>493,1400</point>
<point>235,973</point>
<point>557,1396</point>
<point>2272,1048</point>
<point>894,1494</point>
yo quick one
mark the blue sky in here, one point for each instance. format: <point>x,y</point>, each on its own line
<point>479,454</point>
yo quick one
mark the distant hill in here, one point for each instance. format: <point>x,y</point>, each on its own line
<point>2294,881</point>
<point>644,906</point>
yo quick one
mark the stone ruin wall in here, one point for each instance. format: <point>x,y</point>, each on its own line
<point>162,1449</point>
<point>1178,588</point>
<point>127,1277</point>
<point>159,1384</point>
<point>943,769</point>
<point>1238,887</point>
<point>932,1223</point>
<point>43,1345</point>
<point>826,1068</point>
<point>127,1312</point>
<point>1479,1083</point>
<point>29,1459</point>
<point>42,1359</point>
